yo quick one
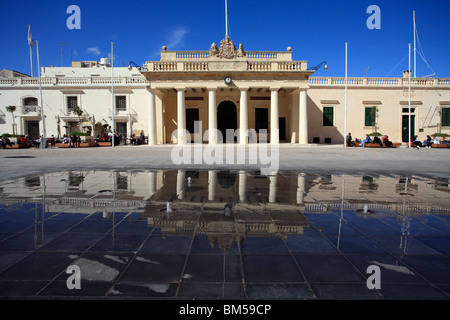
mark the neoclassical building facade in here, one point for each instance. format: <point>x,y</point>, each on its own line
<point>255,95</point>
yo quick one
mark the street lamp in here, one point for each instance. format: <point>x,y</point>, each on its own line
<point>319,66</point>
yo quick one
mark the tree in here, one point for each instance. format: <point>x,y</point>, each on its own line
<point>12,109</point>
<point>77,111</point>
<point>374,115</point>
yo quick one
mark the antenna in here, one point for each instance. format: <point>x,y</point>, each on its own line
<point>62,44</point>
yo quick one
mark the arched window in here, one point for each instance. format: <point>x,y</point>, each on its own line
<point>30,104</point>
<point>30,101</point>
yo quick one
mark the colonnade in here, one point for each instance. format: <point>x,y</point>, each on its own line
<point>243,116</point>
<point>242,183</point>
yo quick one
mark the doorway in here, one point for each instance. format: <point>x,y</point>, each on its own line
<point>406,129</point>
<point>121,128</point>
<point>282,128</point>
<point>32,129</point>
<point>227,118</point>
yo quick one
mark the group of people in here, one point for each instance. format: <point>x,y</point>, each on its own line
<point>73,140</point>
<point>383,142</point>
<point>137,140</point>
<point>22,140</point>
<point>4,141</point>
<point>109,137</point>
<point>429,141</point>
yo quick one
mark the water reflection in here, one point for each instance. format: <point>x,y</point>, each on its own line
<point>228,233</point>
<point>227,206</point>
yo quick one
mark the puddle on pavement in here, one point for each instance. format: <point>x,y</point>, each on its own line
<point>224,234</point>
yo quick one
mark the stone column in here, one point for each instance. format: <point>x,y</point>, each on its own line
<point>273,189</point>
<point>301,188</point>
<point>212,117</point>
<point>243,117</point>
<point>181,116</point>
<point>274,125</point>
<point>212,181</point>
<point>303,118</point>
<point>181,176</point>
<point>242,186</point>
<point>151,118</point>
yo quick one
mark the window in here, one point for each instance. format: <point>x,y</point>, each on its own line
<point>406,110</point>
<point>192,115</point>
<point>328,116</point>
<point>445,117</point>
<point>30,105</point>
<point>121,103</point>
<point>30,102</point>
<point>369,119</point>
<point>72,102</point>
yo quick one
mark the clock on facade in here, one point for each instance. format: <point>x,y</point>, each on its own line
<point>228,80</point>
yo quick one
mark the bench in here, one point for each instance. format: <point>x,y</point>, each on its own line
<point>439,145</point>
<point>377,145</point>
<point>104,144</point>
<point>17,146</point>
<point>373,145</point>
<point>61,145</point>
<point>88,144</point>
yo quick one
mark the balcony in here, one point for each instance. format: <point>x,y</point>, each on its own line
<point>30,111</point>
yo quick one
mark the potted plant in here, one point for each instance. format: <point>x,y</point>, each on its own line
<point>79,112</point>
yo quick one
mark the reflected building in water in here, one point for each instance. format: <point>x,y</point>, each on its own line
<point>226,206</point>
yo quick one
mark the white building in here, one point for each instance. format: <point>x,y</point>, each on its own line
<point>224,88</point>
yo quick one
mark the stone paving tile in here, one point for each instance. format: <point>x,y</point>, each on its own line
<point>136,253</point>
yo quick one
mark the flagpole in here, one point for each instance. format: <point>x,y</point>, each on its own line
<point>226,17</point>
<point>409,98</point>
<point>415,50</point>
<point>112,90</point>
<point>30,44</point>
<point>42,101</point>
<point>346,92</point>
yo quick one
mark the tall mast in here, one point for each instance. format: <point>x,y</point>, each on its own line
<point>415,50</point>
<point>226,17</point>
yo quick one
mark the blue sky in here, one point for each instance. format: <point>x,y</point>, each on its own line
<point>316,31</point>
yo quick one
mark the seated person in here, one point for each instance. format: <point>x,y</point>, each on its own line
<point>21,140</point>
<point>366,140</point>
<point>377,140</point>
<point>427,142</point>
<point>349,140</point>
<point>415,142</point>
<point>443,141</point>
<point>7,142</point>
<point>435,140</point>
<point>65,139</point>
<point>386,142</point>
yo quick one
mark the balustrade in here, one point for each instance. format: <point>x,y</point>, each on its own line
<point>30,109</point>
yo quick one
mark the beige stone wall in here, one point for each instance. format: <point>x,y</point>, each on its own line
<point>390,102</point>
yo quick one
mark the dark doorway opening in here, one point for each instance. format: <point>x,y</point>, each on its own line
<point>282,127</point>
<point>32,129</point>
<point>405,126</point>
<point>227,118</point>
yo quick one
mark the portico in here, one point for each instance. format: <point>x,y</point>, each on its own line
<point>250,93</point>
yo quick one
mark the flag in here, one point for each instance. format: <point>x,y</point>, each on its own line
<point>30,38</point>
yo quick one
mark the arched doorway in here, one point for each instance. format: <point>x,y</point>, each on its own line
<point>226,118</point>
